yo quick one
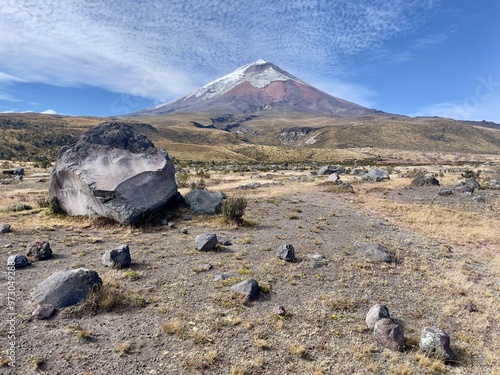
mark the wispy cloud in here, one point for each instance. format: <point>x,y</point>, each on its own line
<point>161,50</point>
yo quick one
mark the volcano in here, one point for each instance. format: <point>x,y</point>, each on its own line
<point>260,88</point>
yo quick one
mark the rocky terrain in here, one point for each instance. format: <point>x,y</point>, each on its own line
<point>173,310</point>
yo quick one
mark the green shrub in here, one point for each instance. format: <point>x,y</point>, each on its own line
<point>233,209</point>
<point>18,207</point>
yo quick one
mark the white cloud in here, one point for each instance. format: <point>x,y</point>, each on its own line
<point>163,50</point>
<point>49,112</point>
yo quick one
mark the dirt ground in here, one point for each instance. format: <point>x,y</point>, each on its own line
<point>169,316</point>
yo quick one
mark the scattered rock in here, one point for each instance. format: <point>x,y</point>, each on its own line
<point>66,288</point>
<point>279,310</point>
<point>376,175</point>
<point>389,334</point>
<point>5,228</point>
<point>435,341</point>
<point>206,241</point>
<point>39,250</point>
<point>424,180</point>
<point>186,218</point>
<point>445,192</point>
<point>204,201</point>
<point>286,252</point>
<point>470,307</point>
<point>493,184</point>
<point>117,258</point>
<point>376,312</point>
<point>334,177</point>
<point>330,169</point>
<point>18,261</point>
<point>43,311</point>
<point>225,242</point>
<point>116,172</point>
<point>472,183</point>
<point>374,251</point>
<point>345,187</point>
<point>250,185</point>
<point>220,277</point>
<point>14,172</point>
<point>184,231</point>
<point>462,188</point>
<point>478,199</point>
<point>248,288</point>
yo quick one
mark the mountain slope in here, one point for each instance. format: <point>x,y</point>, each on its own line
<point>257,89</point>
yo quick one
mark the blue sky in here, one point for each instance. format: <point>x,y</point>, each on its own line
<point>105,58</point>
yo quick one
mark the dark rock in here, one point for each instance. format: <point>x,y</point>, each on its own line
<point>4,228</point>
<point>43,311</point>
<point>374,251</point>
<point>14,172</point>
<point>116,172</point>
<point>66,288</point>
<point>330,169</point>
<point>375,175</point>
<point>376,312</point>
<point>206,241</point>
<point>434,340</point>
<point>389,334</point>
<point>18,261</point>
<point>184,231</point>
<point>39,250</point>
<point>248,288</point>
<point>117,258</point>
<point>225,242</point>
<point>345,187</point>
<point>445,192</point>
<point>424,180</point>
<point>286,252</point>
<point>204,201</point>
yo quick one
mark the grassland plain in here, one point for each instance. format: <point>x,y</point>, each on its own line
<point>166,315</point>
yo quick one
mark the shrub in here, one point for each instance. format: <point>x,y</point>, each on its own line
<point>233,209</point>
<point>19,207</point>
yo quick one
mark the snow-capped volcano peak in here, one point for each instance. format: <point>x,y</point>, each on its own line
<point>259,88</point>
<point>259,74</point>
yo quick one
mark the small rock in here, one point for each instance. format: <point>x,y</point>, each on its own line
<point>206,241</point>
<point>204,201</point>
<point>18,261</point>
<point>117,258</point>
<point>220,277</point>
<point>8,246</point>
<point>424,180</point>
<point>334,177</point>
<point>374,251</point>
<point>472,183</point>
<point>445,192</point>
<point>389,334</point>
<point>225,242</point>
<point>376,175</point>
<point>376,312</point>
<point>248,288</point>
<point>470,307</point>
<point>250,185</point>
<point>184,231</point>
<point>279,310</point>
<point>5,228</point>
<point>478,199</point>
<point>39,250</point>
<point>171,224</point>
<point>186,218</point>
<point>286,252</point>
<point>43,311</point>
<point>436,341</point>
<point>316,256</point>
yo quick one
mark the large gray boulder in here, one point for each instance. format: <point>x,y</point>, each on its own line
<point>116,172</point>
<point>66,288</point>
<point>375,175</point>
<point>204,201</point>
